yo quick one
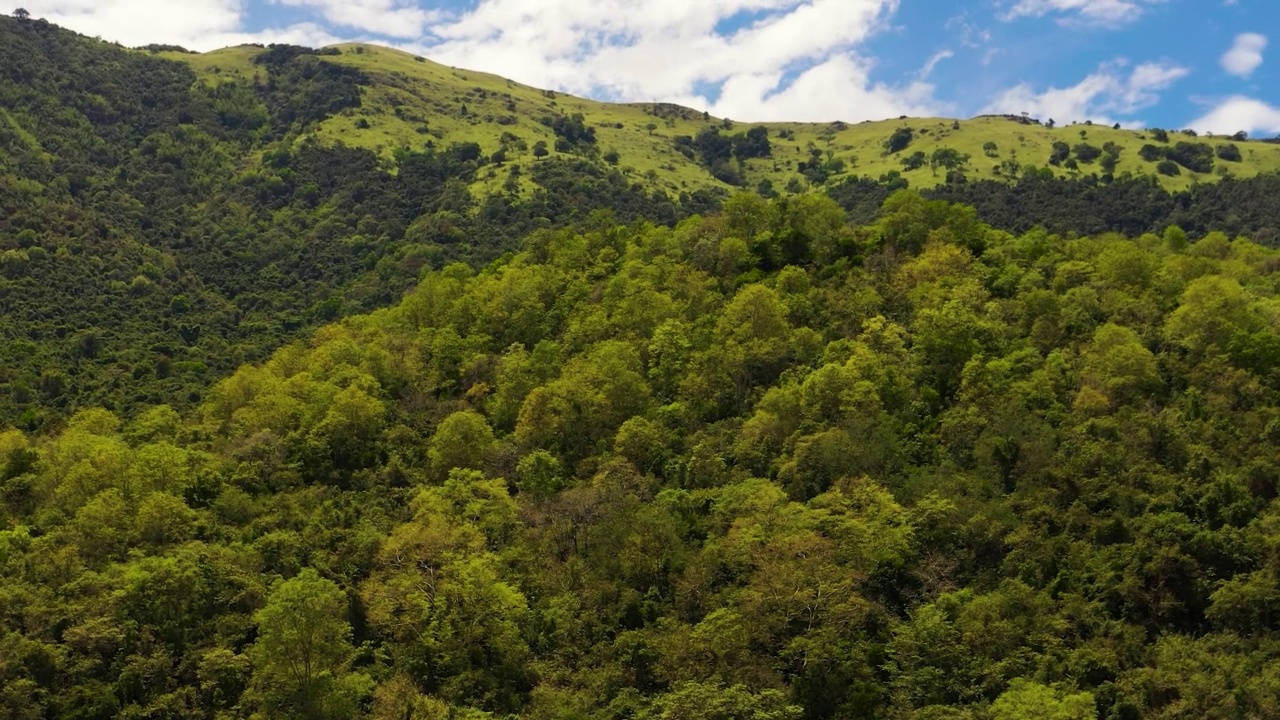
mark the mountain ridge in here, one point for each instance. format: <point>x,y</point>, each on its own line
<point>395,120</point>
<point>209,207</point>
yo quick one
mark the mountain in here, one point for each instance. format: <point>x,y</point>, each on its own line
<point>314,408</point>
<point>169,215</point>
<point>917,468</point>
<point>408,100</point>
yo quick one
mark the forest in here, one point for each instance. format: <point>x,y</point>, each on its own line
<point>763,464</point>
<point>157,231</point>
<point>290,429</point>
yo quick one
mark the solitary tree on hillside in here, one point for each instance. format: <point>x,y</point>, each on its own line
<point>21,14</point>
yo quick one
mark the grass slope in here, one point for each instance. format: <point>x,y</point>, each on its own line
<point>412,101</point>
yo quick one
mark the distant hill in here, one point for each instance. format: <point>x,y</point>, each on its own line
<point>166,216</point>
<point>408,101</point>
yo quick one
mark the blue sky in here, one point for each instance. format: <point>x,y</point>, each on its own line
<point>1205,64</point>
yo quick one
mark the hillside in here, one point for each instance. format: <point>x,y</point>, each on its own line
<point>409,100</point>
<point>920,468</point>
<point>168,216</point>
<point>323,399</point>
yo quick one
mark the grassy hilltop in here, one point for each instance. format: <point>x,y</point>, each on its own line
<point>410,100</point>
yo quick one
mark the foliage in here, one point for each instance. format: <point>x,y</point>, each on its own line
<point>762,464</point>
<point>606,451</point>
<point>899,140</point>
<point>196,237</point>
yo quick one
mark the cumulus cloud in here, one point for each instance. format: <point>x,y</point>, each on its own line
<point>195,24</point>
<point>1083,12</point>
<point>675,50</point>
<point>1240,113</point>
<point>1099,97</point>
<point>389,18</point>
<point>1245,54</point>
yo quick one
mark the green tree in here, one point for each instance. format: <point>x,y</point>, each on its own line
<point>302,656</point>
<point>1026,700</point>
<point>463,440</point>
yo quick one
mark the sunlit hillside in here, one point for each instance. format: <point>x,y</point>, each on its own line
<point>411,101</point>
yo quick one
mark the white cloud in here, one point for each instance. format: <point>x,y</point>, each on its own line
<point>195,24</point>
<point>1084,12</point>
<point>795,59</point>
<point>1240,113</point>
<point>836,89</point>
<point>1245,55</point>
<point>672,50</point>
<point>389,18</point>
<point>1098,97</point>
<point>933,61</point>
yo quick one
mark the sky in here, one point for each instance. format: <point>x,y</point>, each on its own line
<point>1208,65</point>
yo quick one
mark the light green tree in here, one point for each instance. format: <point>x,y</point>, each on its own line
<point>303,653</point>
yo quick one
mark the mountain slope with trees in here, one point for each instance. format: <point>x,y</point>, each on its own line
<point>408,101</point>
<point>761,465</point>
<point>323,396</point>
<point>168,216</point>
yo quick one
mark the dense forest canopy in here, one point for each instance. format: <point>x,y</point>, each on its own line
<point>484,428</point>
<point>758,465</point>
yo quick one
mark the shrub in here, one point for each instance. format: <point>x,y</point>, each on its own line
<point>899,140</point>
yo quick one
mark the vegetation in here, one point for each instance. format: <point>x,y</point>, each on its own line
<point>763,465</point>
<point>505,407</point>
<point>157,233</point>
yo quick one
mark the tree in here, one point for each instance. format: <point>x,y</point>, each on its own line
<point>1087,153</point>
<point>21,14</point>
<point>303,652</point>
<point>1061,151</point>
<point>948,158</point>
<point>990,149</point>
<point>1025,700</point>
<point>540,149</point>
<point>899,140</point>
<point>463,440</point>
<point>915,160</point>
<point>714,701</point>
<point>1152,153</point>
<point>1229,152</point>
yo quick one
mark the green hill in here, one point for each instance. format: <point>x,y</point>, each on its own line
<point>409,100</point>
<point>918,468</point>
<point>323,399</point>
<point>168,216</point>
